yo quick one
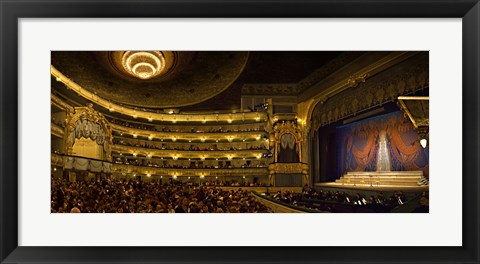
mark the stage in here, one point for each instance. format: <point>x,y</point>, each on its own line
<point>379,180</point>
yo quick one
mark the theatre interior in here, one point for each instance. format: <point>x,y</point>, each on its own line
<point>239,131</point>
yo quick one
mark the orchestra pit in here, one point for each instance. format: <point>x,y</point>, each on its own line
<point>239,132</point>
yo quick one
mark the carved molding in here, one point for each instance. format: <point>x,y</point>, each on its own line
<point>195,154</point>
<point>357,77</point>
<point>91,115</point>
<point>288,168</point>
<point>297,88</point>
<point>188,135</point>
<point>57,160</point>
<point>57,130</point>
<point>385,87</point>
<point>117,168</point>
<point>58,102</point>
<point>150,116</point>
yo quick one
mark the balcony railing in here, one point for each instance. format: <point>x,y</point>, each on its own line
<point>185,154</point>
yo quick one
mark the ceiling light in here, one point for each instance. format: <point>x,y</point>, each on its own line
<point>143,64</point>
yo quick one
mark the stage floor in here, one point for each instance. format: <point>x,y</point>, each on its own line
<point>372,188</point>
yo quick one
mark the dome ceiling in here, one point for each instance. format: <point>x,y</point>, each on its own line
<point>152,79</point>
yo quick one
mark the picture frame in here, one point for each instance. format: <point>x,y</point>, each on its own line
<point>11,11</point>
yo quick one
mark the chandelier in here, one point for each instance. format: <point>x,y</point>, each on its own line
<point>143,64</point>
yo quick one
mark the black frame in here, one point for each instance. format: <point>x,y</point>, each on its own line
<point>11,10</point>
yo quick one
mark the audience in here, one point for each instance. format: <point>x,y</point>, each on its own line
<point>135,196</point>
<point>336,201</point>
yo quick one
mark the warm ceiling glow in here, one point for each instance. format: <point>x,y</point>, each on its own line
<point>143,64</point>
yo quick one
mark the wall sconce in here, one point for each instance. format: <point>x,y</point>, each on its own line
<point>202,139</point>
<point>229,120</point>
<point>230,139</point>
<point>202,158</point>
<point>258,138</point>
<point>175,157</point>
<point>134,154</point>
<point>150,138</point>
<point>229,157</point>
<point>259,156</point>
<point>150,119</point>
<point>174,139</point>
<point>148,175</point>
<point>135,135</point>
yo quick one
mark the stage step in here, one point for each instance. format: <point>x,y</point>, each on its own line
<point>392,178</point>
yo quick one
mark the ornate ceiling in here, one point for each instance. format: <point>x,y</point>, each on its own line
<point>152,79</point>
<point>209,80</point>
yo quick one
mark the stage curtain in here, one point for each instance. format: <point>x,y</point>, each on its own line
<point>357,145</point>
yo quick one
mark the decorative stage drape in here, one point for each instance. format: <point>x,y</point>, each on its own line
<point>288,149</point>
<point>88,129</point>
<point>359,145</point>
<point>83,164</point>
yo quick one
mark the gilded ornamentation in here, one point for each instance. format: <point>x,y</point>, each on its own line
<point>90,121</point>
<point>297,88</point>
<point>57,160</point>
<point>408,76</point>
<point>288,168</point>
<point>354,80</point>
<point>147,83</point>
<point>288,127</point>
<point>120,168</point>
<point>58,102</point>
<point>57,130</point>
